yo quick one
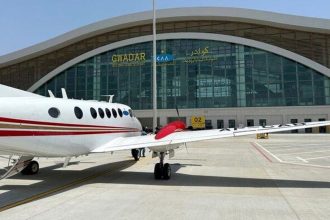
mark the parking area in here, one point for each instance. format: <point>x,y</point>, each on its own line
<point>229,178</point>
<point>304,149</point>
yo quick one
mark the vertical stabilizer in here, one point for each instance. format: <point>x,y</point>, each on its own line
<point>6,91</point>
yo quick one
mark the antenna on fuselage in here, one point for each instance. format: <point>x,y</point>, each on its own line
<point>110,97</point>
<point>51,95</point>
<point>64,95</point>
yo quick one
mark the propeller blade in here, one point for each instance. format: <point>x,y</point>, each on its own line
<point>177,111</point>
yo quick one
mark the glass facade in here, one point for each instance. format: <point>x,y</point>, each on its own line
<point>193,74</point>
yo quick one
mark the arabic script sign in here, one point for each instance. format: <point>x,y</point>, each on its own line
<point>199,55</point>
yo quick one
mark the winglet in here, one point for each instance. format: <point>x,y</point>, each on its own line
<point>51,94</point>
<point>64,95</point>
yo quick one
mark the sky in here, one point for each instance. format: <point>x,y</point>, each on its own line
<point>24,23</point>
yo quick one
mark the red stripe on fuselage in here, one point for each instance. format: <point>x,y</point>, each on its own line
<point>11,133</point>
<point>13,120</point>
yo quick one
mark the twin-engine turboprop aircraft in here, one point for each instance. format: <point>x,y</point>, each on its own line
<point>36,126</point>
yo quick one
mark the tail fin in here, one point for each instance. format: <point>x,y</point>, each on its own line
<point>6,91</point>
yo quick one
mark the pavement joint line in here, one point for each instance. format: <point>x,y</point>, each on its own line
<point>315,158</point>
<point>305,152</point>
<point>278,159</point>
<point>306,165</point>
<point>59,188</point>
<point>287,149</point>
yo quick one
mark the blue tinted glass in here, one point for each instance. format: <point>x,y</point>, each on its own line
<point>203,74</point>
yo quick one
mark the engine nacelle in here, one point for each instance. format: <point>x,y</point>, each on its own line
<point>170,128</point>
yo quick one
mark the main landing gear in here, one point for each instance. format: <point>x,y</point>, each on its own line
<point>23,164</point>
<point>31,169</point>
<point>162,171</point>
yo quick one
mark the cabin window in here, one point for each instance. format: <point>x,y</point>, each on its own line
<point>101,113</point>
<point>114,113</point>
<point>120,112</point>
<point>78,112</point>
<point>130,112</point>
<point>108,113</point>
<point>93,113</point>
<point>54,112</point>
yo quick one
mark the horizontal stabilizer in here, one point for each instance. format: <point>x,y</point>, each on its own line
<point>6,91</point>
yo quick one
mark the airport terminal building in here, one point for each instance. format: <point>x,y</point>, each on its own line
<point>235,67</point>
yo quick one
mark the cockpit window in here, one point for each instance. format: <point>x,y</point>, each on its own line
<point>120,112</point>
<point>54,112</point>
<point>130,112</point>
<point>114,113</point>
<point>78,112</point>
<point>101,113</point>
<point>93,113</point>
<point>108,113</point>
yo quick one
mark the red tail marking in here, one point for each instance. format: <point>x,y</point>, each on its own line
<point>170,128</point>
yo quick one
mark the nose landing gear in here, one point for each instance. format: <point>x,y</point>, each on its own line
<point>23,164</point>
<point>162,171</point>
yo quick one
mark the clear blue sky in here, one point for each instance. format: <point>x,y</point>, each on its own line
<point>27,22</point>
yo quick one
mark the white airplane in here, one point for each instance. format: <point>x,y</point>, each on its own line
<point>36,126</point>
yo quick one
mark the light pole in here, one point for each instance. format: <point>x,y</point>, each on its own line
<point>154,81</point>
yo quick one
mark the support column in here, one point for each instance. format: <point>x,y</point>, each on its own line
<point>240,76</point>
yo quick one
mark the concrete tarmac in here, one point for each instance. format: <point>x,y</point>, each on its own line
<point>284,177</point>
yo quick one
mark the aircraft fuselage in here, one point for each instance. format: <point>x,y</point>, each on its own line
<point>27,127</point>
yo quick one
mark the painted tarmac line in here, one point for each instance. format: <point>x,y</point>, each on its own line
<point>60,188</point>
<point>274,156</point>
<point>260,151</point>
<point>292,163</point>
<point>302,159</point>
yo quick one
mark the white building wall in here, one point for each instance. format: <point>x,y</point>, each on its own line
<point>273,115</point>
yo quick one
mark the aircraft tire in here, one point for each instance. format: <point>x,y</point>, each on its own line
<point>158,171</point>
<point>167,171</point>
<point>31,169</point>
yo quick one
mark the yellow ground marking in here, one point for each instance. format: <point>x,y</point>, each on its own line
<point>65,186</point>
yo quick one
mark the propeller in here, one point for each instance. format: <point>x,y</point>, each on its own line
<point>177,112</point>
<point>185,144</point>
<point>174,126</point>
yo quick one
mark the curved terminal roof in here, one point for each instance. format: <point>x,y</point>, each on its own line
<point>186,35</point>
<point>316,25</point>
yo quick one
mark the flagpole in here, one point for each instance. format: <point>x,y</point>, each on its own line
<point>154,84</point>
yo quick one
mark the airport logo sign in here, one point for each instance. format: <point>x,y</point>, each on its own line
<point>164,58</point>
<point>129,59</point>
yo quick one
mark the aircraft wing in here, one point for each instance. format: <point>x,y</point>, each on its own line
<point>176,139</point>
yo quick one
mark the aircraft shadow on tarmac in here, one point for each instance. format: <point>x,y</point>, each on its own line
<point>179,179</point>
<point>113,173</point>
